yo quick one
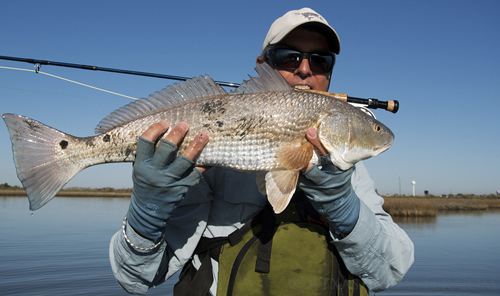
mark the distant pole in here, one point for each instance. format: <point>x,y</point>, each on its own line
<point>399,185</point>
<point>413,183</point>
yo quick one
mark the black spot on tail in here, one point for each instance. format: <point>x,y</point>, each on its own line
<point>63,144</point>
<point>106,138</point>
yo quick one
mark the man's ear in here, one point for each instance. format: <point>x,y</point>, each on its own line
<point>259,60</point>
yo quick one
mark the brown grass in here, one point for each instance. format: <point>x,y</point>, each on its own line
<point>430,206</point>
<point>406,207</point>
<point>398,206</point>
<point>74,193</point>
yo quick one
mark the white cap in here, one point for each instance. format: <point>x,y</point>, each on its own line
<point>294,18</point>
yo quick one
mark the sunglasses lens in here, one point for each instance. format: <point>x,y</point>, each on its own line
<point>286,58</point>
<point>321,63</point>
<point>291,59</point>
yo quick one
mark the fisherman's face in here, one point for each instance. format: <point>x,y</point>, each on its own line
<point>305,41</point>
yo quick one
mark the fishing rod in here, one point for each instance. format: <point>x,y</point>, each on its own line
<point>391,106</point>
<point>39,63</point>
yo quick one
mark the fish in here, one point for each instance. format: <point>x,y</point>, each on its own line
<point>259,128</point>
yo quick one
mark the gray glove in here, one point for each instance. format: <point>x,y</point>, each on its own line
<point>160,182</point>
<point>331,194</point>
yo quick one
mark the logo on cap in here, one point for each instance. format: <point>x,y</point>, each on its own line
<point>309,15</point>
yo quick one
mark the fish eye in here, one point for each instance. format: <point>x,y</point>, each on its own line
<point>378,128</point>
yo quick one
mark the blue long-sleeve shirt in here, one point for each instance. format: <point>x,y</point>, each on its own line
<point>377,250</point>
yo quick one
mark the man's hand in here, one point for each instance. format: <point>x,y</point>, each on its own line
<point>160,178</point>
<point>330,190</point>
<point>312,137</point>
<point>175,137</point>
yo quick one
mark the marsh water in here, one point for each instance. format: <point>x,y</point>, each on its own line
<point>62,249</point>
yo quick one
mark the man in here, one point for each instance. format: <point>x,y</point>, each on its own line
<point>172,218</point>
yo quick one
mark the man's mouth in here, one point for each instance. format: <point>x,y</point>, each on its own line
<point>302,87</point>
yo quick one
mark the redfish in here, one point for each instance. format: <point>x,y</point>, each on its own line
<point>259,127</point>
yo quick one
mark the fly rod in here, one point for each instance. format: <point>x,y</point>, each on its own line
<point>392,106</point>
<point>39,63</point>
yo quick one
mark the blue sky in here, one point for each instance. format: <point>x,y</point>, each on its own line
<point>438,58</point>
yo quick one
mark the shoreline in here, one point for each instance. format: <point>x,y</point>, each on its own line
<point>397,206</point>
<point>430,206</point>
<point>71,193</point>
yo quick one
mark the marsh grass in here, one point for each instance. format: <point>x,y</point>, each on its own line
<point>397,206</point>
<point>406,207</point>
<point>73,192</point>
<point>430,206</point>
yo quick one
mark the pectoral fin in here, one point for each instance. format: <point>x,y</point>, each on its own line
<point>295,156</point>
<point>280,187</point>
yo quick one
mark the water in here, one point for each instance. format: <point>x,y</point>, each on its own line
<point>62,249</point>
<point>455,254</point>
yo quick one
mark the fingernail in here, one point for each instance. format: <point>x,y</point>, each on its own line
<point>183,125</point>
<point>203,138</point>
<point>312,133</point>
<point>163,123</point>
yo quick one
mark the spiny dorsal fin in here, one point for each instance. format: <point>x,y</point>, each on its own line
<point>268,80</point>
<point>168,97</point>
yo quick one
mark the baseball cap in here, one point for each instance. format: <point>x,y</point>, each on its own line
<point>294,18</point>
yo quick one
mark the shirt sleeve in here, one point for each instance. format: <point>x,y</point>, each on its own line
<point>137,270</point>
<point>377,249</point>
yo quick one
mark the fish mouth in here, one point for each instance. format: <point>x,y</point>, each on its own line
<point>382,148</point>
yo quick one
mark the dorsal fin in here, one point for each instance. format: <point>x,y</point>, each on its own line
<point>268,80</point>
<point>168,97</point>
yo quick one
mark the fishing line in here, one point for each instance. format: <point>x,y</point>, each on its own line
<point>68,80</point>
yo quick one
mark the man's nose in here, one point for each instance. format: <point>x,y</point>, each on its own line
<point>304,68</point>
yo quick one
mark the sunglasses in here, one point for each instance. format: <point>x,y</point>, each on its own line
<point>284,58</point>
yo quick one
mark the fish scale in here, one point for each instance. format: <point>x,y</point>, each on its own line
<point>239,140</point>
<point>248,140</point>
<point>259,127</point>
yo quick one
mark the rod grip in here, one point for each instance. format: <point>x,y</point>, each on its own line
<point>392,106</point>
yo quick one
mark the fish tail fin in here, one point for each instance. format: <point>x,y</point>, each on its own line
<point>40,168</point>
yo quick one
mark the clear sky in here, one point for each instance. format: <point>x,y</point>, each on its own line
<point>440,59</point>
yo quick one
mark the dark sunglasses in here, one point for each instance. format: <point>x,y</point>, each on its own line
<point>284,58</point>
